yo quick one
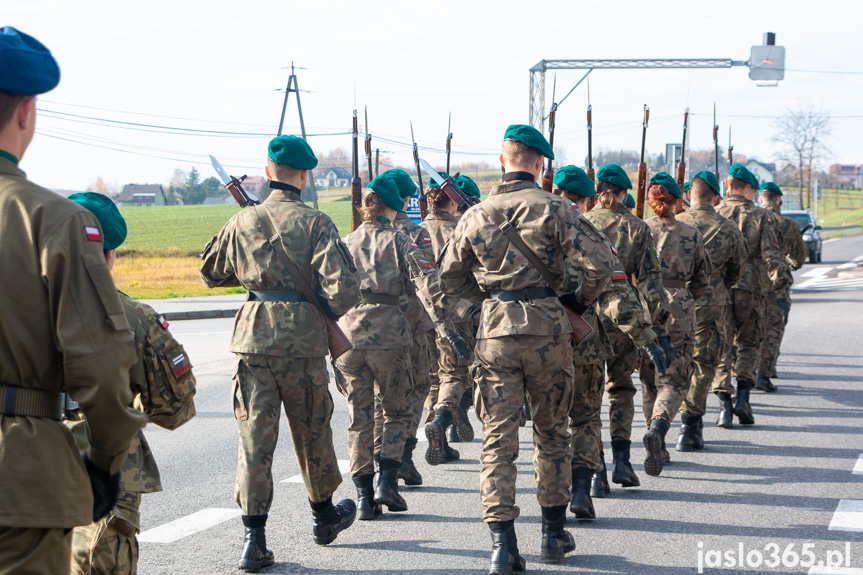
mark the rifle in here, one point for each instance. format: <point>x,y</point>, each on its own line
<point>424,203</point>
<point>448,185</point>
<point>642,170</point>
<point>730,148</point>
<point>448,140</point>
<point>234,186</point>
<point>681,165</point>
<point>369,146</point>
<point>590,173</point>
<point>715,143</point>
<point>356,182</point>
<point>548,175</point>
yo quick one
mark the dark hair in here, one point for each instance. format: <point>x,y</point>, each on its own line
<point>771,197</point>
<point>437,199</point>
<point>661,202</point>
<point>8,105</point>
<point>519,154</point>
<point>701,190</point>
<point>607,192</point>
<point>373,206</point>
<point>738,184</point>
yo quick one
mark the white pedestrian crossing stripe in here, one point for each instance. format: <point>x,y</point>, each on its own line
<point>188,525</point>
<point>344,467</point>
<point>858,467</point>
<point>829,284</point>
<point>848,516</point>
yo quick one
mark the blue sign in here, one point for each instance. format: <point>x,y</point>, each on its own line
<point>413,209</point>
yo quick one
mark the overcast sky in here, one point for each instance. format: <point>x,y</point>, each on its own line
<point>221,66</point>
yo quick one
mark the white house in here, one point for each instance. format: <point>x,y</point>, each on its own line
<point>141,195</point>
<point>763,171</point>
<point>334,177</point>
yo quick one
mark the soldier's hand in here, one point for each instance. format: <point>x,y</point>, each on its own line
<point>784,306</point>
<point>571,301</point>
<point>665,342</point>
<point>473,313</point>
<point>657,356</point>
<point>459,345</point>
<point>106,488</point>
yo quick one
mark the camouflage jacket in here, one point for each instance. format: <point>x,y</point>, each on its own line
<point>440,228</point>
<point>479,259</point>
<point>389,262</point>
<point>683,259</point>
<point>764,270</point>
<point>725,248</point>
<point>794,250</point>
<point>418,319</point>
<point>241,256</point>
<point>636,249</point>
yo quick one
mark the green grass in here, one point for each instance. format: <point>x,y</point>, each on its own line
<point>173,230</point>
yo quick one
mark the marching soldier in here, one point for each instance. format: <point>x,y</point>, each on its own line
<point>726,250</point>
<point>524,340</point>
<point>163,385</point>
<point>685,277</point>
<point>764,271</point>
<point>778,304</point>
<point>280,340</point>
<point>63,330</point>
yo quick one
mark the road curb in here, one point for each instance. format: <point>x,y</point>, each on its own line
<point>201,314</point>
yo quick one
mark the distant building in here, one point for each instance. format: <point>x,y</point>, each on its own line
<point>847,175</point>
<point>334,177</point>
<point>763,171</point>
<point>141,195</point>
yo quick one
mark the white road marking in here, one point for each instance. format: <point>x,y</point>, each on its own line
<point>344,467</point>
<point>818,570</point>
<point>188,525</point>
<point>848,516</point>
<point>858,467</point>
<point>829,284</point>
<point>848,266</point>
<point>421,435</point>
<point>817,272</point>
<point>831,240</point>
<point>858,259</point>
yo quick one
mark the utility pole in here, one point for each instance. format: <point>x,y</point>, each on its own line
<point>294,87</point>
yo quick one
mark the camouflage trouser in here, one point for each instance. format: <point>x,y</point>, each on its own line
<point>710,340</point>
<point>453,371</point>
<point>34,550</point>
<point>663,394</point>
<point>774,329</point>
<point>746,330</point>
<point>109,546</point>
<point>434,380</point>
<point>588,385</point>
<point>366,377</point>
<point>420,365</point>
<point>505,367</point>
<point>621,389</point>
<point>262,385</point>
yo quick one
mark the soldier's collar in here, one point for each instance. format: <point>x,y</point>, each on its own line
<point>521,176</point>
<point>700,206</point>
<point>285,187</point>
<point>8,156</point>
<point>382,220</point>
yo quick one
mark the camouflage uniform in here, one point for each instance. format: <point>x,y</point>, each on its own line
<point>110,545</point>
<point>524,344</point>
<point>685,277</point>
<point>378,367</point>
<point>794,254</point>
<point>726,250</point>
<point>636,250</point>
<point>764,267</point>
<point>281,345</point>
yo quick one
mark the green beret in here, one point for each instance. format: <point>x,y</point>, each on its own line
<point>293,152</point>
<point>530,137</point>
<point>434,184</point>
<point>740,172</point>
<point>27,67</point>
<point>467,185</point>
<point>771,187</point>
<point>614,174</point>
<point>710,178</point>
<point>404,183</point>
<point>629,202</point>
<point>112,223</point>
<point>686,187</point>
<point>666,181</point>
<point>387,190</point>
<point>574,180</point>
<point>754,181</point>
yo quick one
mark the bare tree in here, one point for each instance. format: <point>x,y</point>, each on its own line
<point>802,133</point>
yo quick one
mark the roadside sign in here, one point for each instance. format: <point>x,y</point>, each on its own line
<point>413,209</point>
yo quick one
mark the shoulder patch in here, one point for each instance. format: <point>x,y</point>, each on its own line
<point>427,240</point>
<point>93,234</point>
<point>413,245</point>
<point>163,322</point>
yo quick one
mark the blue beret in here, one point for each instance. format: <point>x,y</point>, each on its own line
<point>771,187</point>
<point>530,137</point>
<point>468,186</point>
<point>387,190</point>
<point>614,174</point>
<point>434,184</point>
<point>666,181</point>
<point>404,183</point>
<point>27,67</point>
<point>574,180</point>
<point>629,202</point>
<point>292,151</point>
<point>740,172</point>
<point>112,223</point>
<point>710,178</point>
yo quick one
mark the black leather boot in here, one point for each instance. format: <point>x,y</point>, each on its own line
<point>742,409</point>
<point>450,454</point>
<point>451,435</point>
<point>255,554</point>
<point>462,426</point>
<point>505,559</point>
<point>408,472</point>
<point>436,435</point>
<point>653,444</point>
<point>763,383</point>
<point>329,520</point>
<point>726,410</point>
<point>600,487</point>
<point>581,504</point>
<point>623,474</point>
<point>367,509</point>
<point>687,441</point>
<point>699,433</point>
<point>556,541</point>
<point>387,492</point>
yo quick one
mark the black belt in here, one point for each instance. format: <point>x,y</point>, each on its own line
<point>276,295</point>
<point>31,402</point>
<point>522,294</point>
<point>676,284</point>
<point>381,298</point>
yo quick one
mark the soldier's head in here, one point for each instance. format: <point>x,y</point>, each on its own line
<point>404,183</point>
<point>110,220</point>
<point>628,202</point>
<point>381,201</point>
<point>704,188</point>
<point>739,181</point>
<point>289,159</point>
<point>523,150</point>
<point>611,184</point>
<point>574,184</point>
<point>27,69</point>
<point>770,194</point>
<point>662,195</point>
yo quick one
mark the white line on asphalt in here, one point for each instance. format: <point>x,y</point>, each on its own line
<point>188,525</point>
<point>847,266</point>
<point>848,516</point>
<point>858,467</point>
<point>344,467</point>
<point>817,570</point>
<point>831,240</point>
<point>421,434</point>
<point>816,272</point>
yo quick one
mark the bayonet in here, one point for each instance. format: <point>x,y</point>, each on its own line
<point>423,199</point>
<point>548,175</point>
<point>590,172</point>
<point>235,186</point>
<point>448,140</point>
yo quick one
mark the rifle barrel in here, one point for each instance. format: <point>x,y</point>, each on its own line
<point>356,183</point>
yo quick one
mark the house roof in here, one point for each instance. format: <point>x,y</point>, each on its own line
<point>770,167</point>
<point>341,173</point>
<point>130,191</point>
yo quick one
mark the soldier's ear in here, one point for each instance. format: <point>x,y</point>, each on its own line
<point>267,172</point>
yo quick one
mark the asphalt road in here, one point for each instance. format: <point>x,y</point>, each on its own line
<point>778,483</point>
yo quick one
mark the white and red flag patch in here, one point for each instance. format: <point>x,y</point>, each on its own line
<point>93,234</point>
<point>427,240</point>
<point>163,322</point>
<point>413,245</point>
